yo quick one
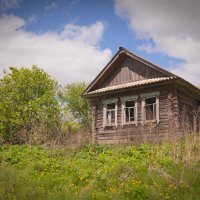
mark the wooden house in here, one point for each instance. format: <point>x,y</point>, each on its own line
<point>133,100</point>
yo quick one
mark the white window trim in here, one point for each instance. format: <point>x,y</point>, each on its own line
<point>123,100</point>
<point>146,96</point>
<point>105,102</point>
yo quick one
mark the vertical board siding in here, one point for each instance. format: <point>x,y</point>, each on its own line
<point>130,70</point>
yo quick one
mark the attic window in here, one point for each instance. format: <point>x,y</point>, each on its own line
<point>110,112</point>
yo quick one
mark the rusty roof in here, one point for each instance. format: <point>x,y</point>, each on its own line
<point>129,85</point>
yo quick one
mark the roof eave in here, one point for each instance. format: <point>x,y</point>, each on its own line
<point>138,87</point>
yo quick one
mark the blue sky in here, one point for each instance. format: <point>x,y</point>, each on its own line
<point>73,39</point>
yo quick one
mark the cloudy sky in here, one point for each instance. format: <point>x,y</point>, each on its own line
<point>73,40</point>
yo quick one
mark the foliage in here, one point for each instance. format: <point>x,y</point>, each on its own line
<point>99,172</point>
<point>27,100</point>
<point>76,107</point>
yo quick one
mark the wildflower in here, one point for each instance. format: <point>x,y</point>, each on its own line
<point>112,190</point>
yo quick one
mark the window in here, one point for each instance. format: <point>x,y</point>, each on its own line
<point>129,110</point>
<point>150,107</point>
<point>110,112</point>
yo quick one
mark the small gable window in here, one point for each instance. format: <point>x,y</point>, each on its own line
<point>129,110</point>
<point>150,107</point>
<point>110,112</point>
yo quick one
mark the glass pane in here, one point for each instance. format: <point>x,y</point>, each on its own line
<point>150,100</point>
<point>111,106</point>
<point>127,114</point>
<point>110,117</point>
<point>130,104</point>
<point>149,112</point>
<point>132,114</point>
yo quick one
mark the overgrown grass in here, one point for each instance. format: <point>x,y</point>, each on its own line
<point>170,171</point>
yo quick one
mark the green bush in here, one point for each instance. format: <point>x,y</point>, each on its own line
<point>28,105</point>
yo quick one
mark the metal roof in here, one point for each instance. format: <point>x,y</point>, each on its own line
<point>129,85</point>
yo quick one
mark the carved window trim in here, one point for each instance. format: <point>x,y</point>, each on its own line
<point>144,97</point>
<point>125,99</point>
<point>106,102</point>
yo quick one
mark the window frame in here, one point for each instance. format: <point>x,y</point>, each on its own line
<point>123,113</point>
<point>105,103</point>
<point>145,96</point>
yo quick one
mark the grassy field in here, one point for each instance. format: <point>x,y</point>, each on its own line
<point>101,172</point>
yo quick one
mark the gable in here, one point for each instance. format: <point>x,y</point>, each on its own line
<point>126,67</point>
<point>130,70</point>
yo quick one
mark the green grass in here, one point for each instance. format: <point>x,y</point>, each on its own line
<point>101,172</point>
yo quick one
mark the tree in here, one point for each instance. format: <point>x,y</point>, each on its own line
<point>27,98</point>
<point>75,105</point>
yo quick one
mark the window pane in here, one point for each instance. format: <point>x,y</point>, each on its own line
<point>132,114</point>
<point>110,117</point>
<point>129,111</point>
<point>150,100</point>
<point>130,104</point>
<point>127,114</point>
<point>150,111</point>
<point>111,106</point>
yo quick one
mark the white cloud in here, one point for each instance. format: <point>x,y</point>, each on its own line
<point>88,34</point>
<point>70,55</point>
<point>173,25</point>
<point>50,6</point>
<point>8,4</point>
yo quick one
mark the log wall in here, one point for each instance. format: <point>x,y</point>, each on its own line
<point>151,132</point>
<point>188,112</point>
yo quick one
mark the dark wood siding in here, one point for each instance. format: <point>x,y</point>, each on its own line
<point>130,70</point>
<point>141,132</point>
<point>188,112</point>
